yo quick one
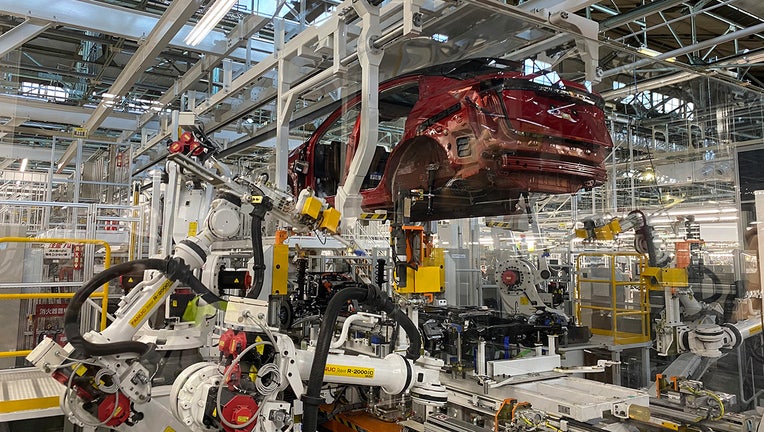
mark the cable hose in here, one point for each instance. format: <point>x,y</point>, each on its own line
<point>370,295</point>
<point>258,259</point>
<point>311,398</point>
<point>173,269</point>
<point>256,232</point>
<point>72,315</point>
<point>412,331</point>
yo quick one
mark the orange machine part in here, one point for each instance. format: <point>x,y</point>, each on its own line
<point>358,421</point>
<point>281,236</point>
<point>684,251</point>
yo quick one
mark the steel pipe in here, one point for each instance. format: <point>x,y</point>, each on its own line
<point>685,50</point>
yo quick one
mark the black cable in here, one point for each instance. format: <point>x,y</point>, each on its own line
<point>415,338</point>
<point>258,257</point>
<point>72,315</point>
<point>369,295</point>
<point>394,337</point>
<point>174,269</point>
<point>312,399</point>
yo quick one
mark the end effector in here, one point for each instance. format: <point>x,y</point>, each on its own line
<point>706,340</point>
<point>644,239</point>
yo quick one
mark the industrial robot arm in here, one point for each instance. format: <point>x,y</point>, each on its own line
<point>644,239</point>
<point>112,354</point>
<point>111,378</point>
<point>108,375</point>
<point>704,337</point>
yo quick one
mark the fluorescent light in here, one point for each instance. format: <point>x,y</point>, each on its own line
<point>666,221</point>
<point>699,211</point>
<point>23,166</point>
<point>653,53</point>
<point>211,18</point>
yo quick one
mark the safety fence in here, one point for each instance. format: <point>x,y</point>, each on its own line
<point>44,311</point>
<point>610,297</point>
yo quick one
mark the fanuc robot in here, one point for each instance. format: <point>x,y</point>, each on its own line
<point>261,381</point>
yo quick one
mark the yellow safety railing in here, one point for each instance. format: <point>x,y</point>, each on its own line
<point>617,289</point>
<point>103,294</point>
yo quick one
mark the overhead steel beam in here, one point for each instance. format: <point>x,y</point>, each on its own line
<point>173,19</point>
<point>243,31</point>
<point>25,132</point>
<point>11,124</point>
<point>21,34</point>
<point>607,24</point>
<point>555,40</point>
<point>650,84</point>
<point>686,49</point>
<point>556,5</point>
<point>323,107</point>
<point>114,20</point>
<point>300,45</point>
<point>637,13</point>
<point>12,152</point>
<point>39,111</point>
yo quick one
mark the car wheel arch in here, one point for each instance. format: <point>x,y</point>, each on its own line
<point>409,149</point>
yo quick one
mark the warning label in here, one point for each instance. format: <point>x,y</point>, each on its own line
<point>349,371</point>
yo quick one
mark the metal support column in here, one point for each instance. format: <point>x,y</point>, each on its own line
<point>613,175</point>
<point>156,210</point>
<point>740,372</point>
<point>476,293</point>
<point>170,207</point>
<point>287,72</point>
<point>573,217</point>
<point>91,229</point>
<point>348,196</point>
<point>615,355</point>
<point>49,187</point>
<point>630,140</point>
<point>77,182</point>
<point>646,375</point>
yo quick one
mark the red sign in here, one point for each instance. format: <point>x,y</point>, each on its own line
<point>49,321</point>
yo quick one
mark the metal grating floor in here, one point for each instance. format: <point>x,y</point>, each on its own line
<point>28,390</point>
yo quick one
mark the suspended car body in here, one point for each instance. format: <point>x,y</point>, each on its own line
<point>474,135</point>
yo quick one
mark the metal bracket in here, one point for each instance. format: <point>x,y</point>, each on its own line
<point>586,36</point>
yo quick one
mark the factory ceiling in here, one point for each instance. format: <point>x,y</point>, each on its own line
<point>60,61</point>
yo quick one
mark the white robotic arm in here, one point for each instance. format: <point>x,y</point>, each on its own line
<point>106,374</point>
<point>201,400</point>
<point>111,356</point>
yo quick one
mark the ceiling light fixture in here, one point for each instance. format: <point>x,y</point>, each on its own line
<point>23,166</point>
<point>211,18</point>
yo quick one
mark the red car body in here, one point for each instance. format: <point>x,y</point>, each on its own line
<point>475,135</point>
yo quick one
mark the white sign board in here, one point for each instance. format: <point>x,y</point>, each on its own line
<point>58,253</point>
